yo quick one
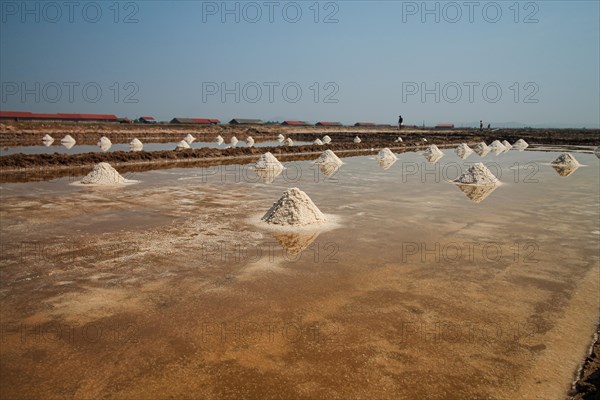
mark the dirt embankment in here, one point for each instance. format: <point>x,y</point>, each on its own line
<point>587,385</point>
<point>29,133</point>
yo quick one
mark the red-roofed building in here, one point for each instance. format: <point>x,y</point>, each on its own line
<point>197,121</point>
<point>295,123</point>
<point>329,124</point>
<point>444,126</point>
<point>29,116</point>
<point>147,120</point>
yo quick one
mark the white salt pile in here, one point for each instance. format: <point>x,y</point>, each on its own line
<point>328,157</point>
<point>280,138</point>
<point>67,139</point>
<point>433,150</point>
<point>497,147</point>
<point>189,138</point>
<point>357,140</point>
<point>326,139</point>
<point>288,142</point>
<point>506,144</point>
<point>478,174</point>
<point>399,140</point>
<point>103,175</point>
<point>463,150</point>
<point>318,142</point>
<point>250,141</point>
<point>182,145</point>
<point>386,154</point>
<point>219,139</point>
<point>566,159</point>
<point>294,208</point>
<point>136,145</point>
<point>520,144</point>
<point>481,149</point>
<point>233,141</point>
<point>104,141</point>
<point>423,139</point>
<point>268,161</point>
<point>47,138</point>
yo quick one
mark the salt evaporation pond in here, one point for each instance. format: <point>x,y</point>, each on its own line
<point>57,147</point>
<point>421,290</point>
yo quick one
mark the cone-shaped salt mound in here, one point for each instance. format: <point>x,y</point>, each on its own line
<point>496,147</point>
<point>481,149</point>
<point>288,142</point>
<point>233,141</point>
<point>48,143</point>
<point>565,164</point>
<point>507,145</point>
<point>250,141</point>
<point>433,149</point>
<point>294,208</point>
<point>280,138</point>
<point>399,140</point>
<point>318,142</point>
<point>521,144</point>
<point>47,138</point>
<point>357,140</point>
<point>328,157</point>
<point>268,161</point>
<point>423,139</point>
<point>104,146</point>
<point>386,154</point>
<point>326,139</point>
<point>104,140</point>
<point>597,151</point>
<point>103,174</point>
<point>183,145</point>
<point>67,139</point>
<point>478,174</point>
<point>189,138</point>
<point>136,145</point>
<point>566,159</point>
<point>463,151</point>
<point>219,139</point>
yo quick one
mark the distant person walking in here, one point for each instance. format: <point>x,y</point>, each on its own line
<point>489,126</point>
<point>400,120</point>
<point>480,125</point>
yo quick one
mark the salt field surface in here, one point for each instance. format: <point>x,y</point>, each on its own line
<point>422,290</point>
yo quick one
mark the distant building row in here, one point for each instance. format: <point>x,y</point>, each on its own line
<point>28,116</point>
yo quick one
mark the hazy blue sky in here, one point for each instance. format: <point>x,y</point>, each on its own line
<point>372,60</point>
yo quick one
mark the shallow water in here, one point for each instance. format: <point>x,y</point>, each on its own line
<point>56,147</point>
<point>166,288</point>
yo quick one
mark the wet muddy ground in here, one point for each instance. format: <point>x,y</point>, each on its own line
<point>166,289</point>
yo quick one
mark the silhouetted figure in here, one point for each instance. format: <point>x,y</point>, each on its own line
<point>480,125</point>
<point>400,120</point>
<point>489,126</point>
